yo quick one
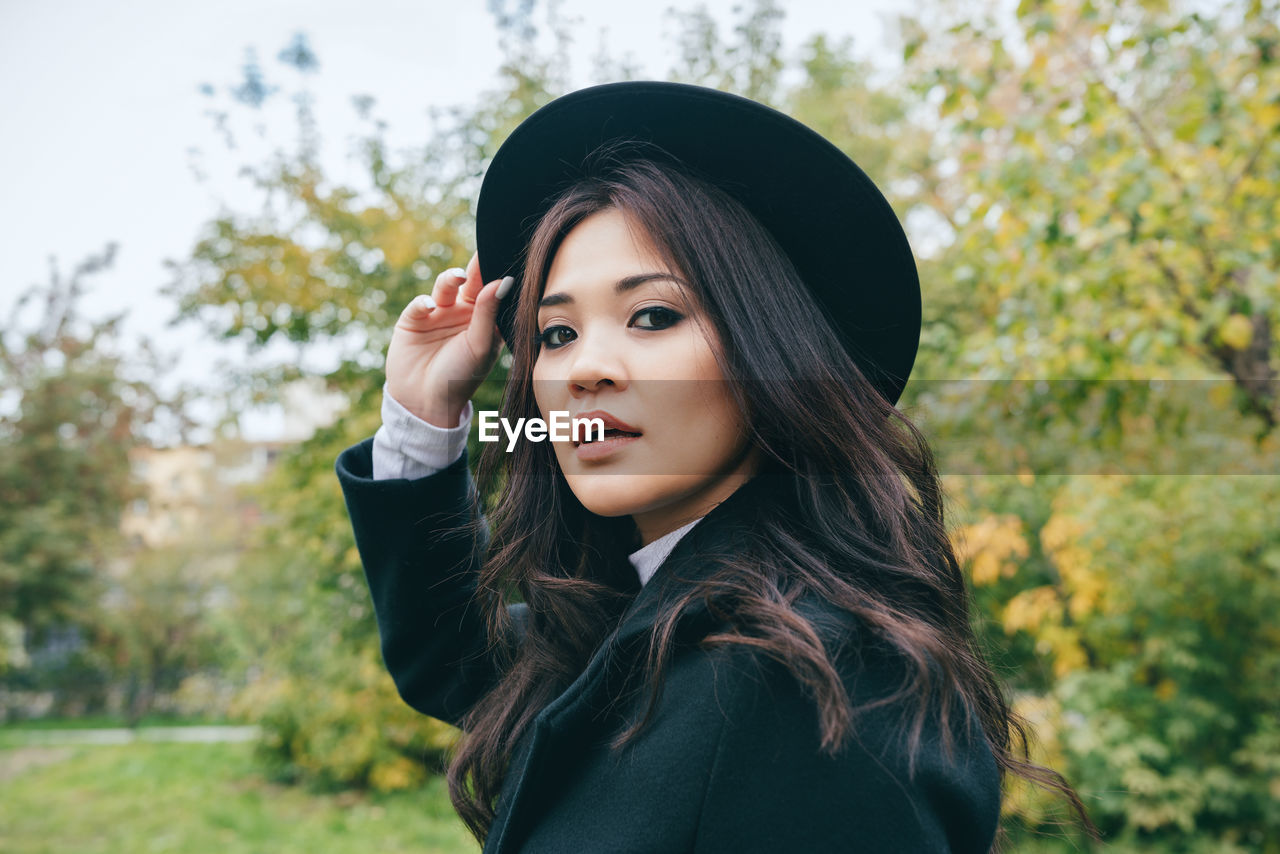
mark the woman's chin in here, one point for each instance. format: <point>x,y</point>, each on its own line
<point>629,494</point>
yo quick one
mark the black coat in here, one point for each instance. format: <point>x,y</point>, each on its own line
<point>730,762</point>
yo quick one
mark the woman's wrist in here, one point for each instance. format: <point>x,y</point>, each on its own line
<point>408,446</point>
<point>444,416</point>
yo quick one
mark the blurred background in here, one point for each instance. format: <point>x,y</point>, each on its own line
<point>212,215</point>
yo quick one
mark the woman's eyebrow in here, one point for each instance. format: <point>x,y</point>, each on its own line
<point>619,287</point>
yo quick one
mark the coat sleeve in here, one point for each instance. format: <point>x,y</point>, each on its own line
<point>770,789</point>
<point>422,570</point>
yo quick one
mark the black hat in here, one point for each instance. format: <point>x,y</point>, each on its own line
<point>825,213</point>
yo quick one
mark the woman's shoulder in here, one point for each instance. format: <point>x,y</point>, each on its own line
<point>870,668</point>
<point>773,762</point>
<point>773,684</point>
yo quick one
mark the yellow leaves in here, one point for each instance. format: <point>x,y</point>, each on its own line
<point>1022,798</point>
<point>1032,610</point>
<point>988,547</point>
<point>440,736</point>
<point>1042,612</point>
<point>1236,332</point>
<point>1038,612</point>
<point>400,244</point>
<point>1083,583</point>
<point>373,218</point>
<point>1268,115</point>
<point>399,773</point>
<point>1220,395</point>
<point>1068,654</point>
<point>1059,531</point>
<point>399,237</point>
<point>1087,589</point>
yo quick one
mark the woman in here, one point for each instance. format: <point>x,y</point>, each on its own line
<point>743,627</point>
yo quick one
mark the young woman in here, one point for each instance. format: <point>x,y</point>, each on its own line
<point>742,627</point>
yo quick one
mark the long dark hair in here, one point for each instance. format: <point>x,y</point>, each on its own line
<point>865,482</point>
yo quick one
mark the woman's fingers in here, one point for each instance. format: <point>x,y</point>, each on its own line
<point>472,286</point>
<point>443,304</point>
<point>417,314</point>
<point>444,294</point>
<point>445,291</point>
<point>484,320</point>
<point>457,289</point>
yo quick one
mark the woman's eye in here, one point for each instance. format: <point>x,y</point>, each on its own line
<point>659,317</point>
<point>553,337</point>
<point>653,317</point>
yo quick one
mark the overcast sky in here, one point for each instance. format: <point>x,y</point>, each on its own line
<point>101,109</point>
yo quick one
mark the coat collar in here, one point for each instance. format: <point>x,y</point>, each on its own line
<point>561,726</point>
<point>724,530</point>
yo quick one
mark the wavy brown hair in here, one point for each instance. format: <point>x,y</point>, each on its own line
<point>861,477</point>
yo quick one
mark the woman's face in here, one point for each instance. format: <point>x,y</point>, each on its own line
<point>617,338</point>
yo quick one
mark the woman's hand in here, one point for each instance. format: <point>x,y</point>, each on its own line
<point>444,345</point>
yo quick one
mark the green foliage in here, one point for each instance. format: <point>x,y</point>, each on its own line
<point>1109,168</point>
<point>748,64</point>
<point>836,97</point>
<point>64,443</point>
<point>314,681</point>
<point>76,406</point>
<point>1167,653</point>
<point>123,616</point>
<point>1101,180</point>
<point>159,627</point>
<point>340,724</point>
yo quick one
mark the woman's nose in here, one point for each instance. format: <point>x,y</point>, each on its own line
<point>597,364</point>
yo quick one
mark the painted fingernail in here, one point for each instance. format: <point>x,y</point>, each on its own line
<point>424,301</point>
<point>505,287</point>
<point>457,272</point>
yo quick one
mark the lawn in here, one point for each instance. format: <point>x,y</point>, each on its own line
<point>109,722</point>
<point>196,798</point>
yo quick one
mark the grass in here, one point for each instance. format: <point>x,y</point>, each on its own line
<point>22,733</point>
<point>197,798</point>
<point>111,722</point>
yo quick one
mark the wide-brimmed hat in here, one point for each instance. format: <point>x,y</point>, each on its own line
<point>834,224</point>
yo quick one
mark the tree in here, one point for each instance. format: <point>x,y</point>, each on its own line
<point>1100,182</point>
<point>76,404</point>
<point>1104,175</point>
<point>334,266</point>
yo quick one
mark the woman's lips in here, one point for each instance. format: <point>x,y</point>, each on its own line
<point>610,421</point>
<point>616,437</point>
<point>587,451</point>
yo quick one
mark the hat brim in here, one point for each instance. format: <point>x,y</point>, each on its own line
<point>834,224</point>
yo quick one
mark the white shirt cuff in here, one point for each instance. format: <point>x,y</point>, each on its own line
<point>405,446</point>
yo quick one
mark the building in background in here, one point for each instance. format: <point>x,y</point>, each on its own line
<point>186,483</point>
